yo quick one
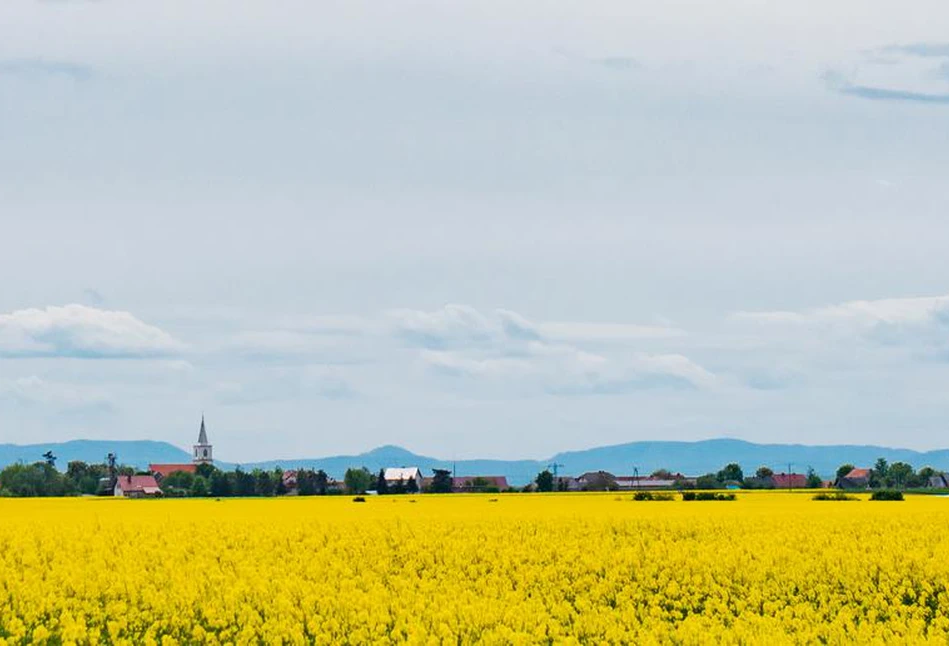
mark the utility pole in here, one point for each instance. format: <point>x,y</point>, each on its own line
<point>553,466</point>
<point>636,477</point>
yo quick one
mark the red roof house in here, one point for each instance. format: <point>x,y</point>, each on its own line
<point>162,470</point>
<point>789,480</point>
<point>137,487</point>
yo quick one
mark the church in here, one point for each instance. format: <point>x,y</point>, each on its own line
<point>202,453</point>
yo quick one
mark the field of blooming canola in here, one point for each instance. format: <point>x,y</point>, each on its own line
<point>519,569</point>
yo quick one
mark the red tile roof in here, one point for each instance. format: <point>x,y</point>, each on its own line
<point>167,469</point>
<point>789,480</point>
<point>858,473</point>
<point>137,483</point>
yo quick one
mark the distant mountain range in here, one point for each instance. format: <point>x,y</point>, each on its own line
<point>690,458</point>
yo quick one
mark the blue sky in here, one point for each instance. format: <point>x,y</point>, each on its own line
<point>474,228</point>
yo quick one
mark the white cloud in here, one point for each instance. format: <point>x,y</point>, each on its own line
<point>920,311</point>
<point>33,390</point>
<point>81,332</point>
<point>587,331</point>
<point>516,354</point>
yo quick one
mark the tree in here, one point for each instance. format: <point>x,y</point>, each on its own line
<point>306,482</point>
<point>813,480</point>
<point>545,480</point>
<point>321,482</point>
<point>844,469</point>
<point>899,474</point>
<point>280,487</point>
<point>243,483</point>
<point>763,472</point>
<point>731,472</point>
<point>263,482</point>
<point>708,481</point>
<point>220,486</point>
<point>661,474</point>
<point>178,480</point>
<point>206,470</point>
<point>382,487</point>
<point>357,480</point>
<point>411,486</point>
<point>881,468</point>
<point>442,481</point>
<point>199,488</point>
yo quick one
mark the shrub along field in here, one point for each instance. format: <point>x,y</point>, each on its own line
<point>540,568</point>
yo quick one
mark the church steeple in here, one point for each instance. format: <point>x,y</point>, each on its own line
<point>202,450</point>
<point>203,435</point>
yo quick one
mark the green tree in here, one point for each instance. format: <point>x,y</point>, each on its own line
<point>199,488</point>
<point>411,486</point>
<point>280,487</point>
<point>442,481</point>
<point>813,480</point>
<point>844,469</point>
<point>763,472</point>
<point>177,481</point>
<point>731,471</point>
<point>899,474</point>
<point>545,481</point>
<point>220,485</point>
<point>357,480</point>
<point>382,487</point>
<point>708,481</point>
<point>662,474</point>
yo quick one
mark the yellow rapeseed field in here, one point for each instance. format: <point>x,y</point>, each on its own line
<point>520,569</point>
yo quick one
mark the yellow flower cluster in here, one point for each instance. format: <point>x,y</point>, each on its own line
<point>509,569</point>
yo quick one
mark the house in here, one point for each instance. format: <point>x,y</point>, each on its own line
<point>137,487</point>
<point>938,481</point>
<point>400,476</point>
<point>856,479</point>
<point>634,483</point>
<point>595,481</point>
<point>164,470</point>
<point>789,480</point>
<point>474,484</point>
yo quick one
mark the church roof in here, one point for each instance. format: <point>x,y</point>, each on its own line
<point>203,435</point>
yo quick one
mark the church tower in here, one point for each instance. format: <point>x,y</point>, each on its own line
<point>202,450</point>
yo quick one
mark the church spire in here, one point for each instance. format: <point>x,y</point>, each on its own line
<point>203,435</point>
<point>202,450</point>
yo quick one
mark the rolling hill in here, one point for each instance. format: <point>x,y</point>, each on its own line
<point>690,458</point>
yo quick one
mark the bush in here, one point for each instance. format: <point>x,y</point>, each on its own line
<point>886,494</point>
<point>706,495</point>
<point>837,495</point>
<point>651,495</point>
<point>359,499</point>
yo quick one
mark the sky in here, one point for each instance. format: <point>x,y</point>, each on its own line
<point>476,228</point>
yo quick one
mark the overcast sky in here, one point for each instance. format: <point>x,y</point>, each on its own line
<point>474,228</point>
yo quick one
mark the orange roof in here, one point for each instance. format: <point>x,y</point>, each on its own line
<point>167,469</point>
<point>858,473</point>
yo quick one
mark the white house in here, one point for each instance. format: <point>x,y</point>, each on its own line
<point>395,475</point>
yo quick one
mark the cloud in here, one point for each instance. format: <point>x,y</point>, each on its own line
<point>921,323</point>
<point>929,50</point>
<point>42,68</point>
<point>34,391</point>
<point>451,326</point>
<point>511,352</point>
<point>464,326</point>
<point>884,94</point>
<point>79,331</point>
<point>901,62</point>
